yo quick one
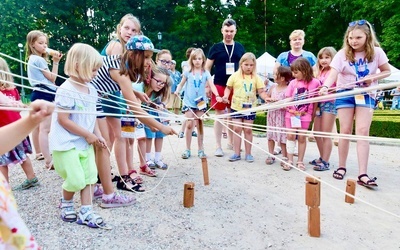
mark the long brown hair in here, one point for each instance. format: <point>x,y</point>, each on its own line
<point>132,64</point>
<point>303,65</point>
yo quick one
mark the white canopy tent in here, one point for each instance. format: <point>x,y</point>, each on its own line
<point>395,74</point>
<point>265,65</point>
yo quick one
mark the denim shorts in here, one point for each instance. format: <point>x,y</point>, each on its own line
<point>186,109</point>
<point>327,107</point>
<point>243,116</point>
<point>39,95</point>
<point>350,101</point>
<point>114,104</point>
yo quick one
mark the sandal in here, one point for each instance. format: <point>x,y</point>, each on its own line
<point>186,154</point>
<point>315,162</point>
<point>68,213</point>
<point>90,219</point>
<point>201,154</point>
<point>321,166</point>
<point>128,184</point>
<point>337,175</point>
<point>49,166</point>
<point>270,160</point>
<point>39,157</point>
<point>277,152</point>
<point>370,182</point>
<point>286,165</point>
<point>135,176</point>
<point>301,166</point>
<point>145,170</point>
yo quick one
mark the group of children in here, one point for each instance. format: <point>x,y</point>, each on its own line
<point>80,139</point>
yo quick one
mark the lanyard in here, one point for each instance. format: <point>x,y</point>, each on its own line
<point>227,52</point>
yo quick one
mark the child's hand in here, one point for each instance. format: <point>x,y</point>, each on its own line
<point>40,110</point>
<point>142,97</point>
<point>91,138</point>
<point>57,57</point>
<point>168,130</point>
<point>219,99</point>
<point>323,90</point>
<point>101,142</point>
<point>225,99</point>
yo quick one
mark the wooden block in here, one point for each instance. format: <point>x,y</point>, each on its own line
<point>188,194</point>
<point>314,222</point>
<point>351,189</point>
<point>313,192</point>
<point>204,165</point>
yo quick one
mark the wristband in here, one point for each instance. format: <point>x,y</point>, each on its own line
<point>325,86</point>
<point>55,63</point>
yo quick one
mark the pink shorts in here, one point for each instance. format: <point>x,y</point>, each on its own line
<point>304,124</point>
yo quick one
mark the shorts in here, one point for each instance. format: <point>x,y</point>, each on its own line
<point>114,104</point>
<point>174,102</point>
<point>304,124</point>
<point>327,107</point>
<point>220,105</point>
<point>76,167</point>
<point>39,95</point>
<point>151,134</point>
<point>250,117</point>
<point>350,101</point>
<point>186,109</point>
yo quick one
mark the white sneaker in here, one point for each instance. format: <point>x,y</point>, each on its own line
<point>219,152</point>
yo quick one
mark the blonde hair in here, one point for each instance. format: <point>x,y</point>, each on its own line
<point>193,54</point>
<point>135,20</point>
<point>165,91</point>
<point>6,80</point>
<point>245,57</point>
<point>162,52</point>
<point>370,43</point>
<point>329,51</point>
<point>82,59</point>
<point>31,39</point>
<point>297,33</point>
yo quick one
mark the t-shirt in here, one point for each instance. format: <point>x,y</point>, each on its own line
<point>35,75</point>
<point>286,59</point>
<point>300,90</point>
<point>244,89</point>
<point>8,116</point>
<point>220,53</point>
<point>195,87</point>
<point>69,98</point>
<point>103,81</point>
<point>176,79</point>
<point>350,72</point>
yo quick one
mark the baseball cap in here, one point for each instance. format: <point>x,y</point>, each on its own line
<point>140,42</point>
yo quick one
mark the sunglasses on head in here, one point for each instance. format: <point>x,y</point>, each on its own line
<point>359,22</point>
<point>159,83</point>
<point>165,62</point>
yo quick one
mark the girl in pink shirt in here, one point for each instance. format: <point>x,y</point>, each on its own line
<point>299,116</point>
<point>355,66</point>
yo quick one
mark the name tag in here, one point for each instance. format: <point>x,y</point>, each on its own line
<point>139,132</point>
<point>230,68</point>
<point>128,127</point>
<point>295,122</point>
<point>200,103</point>
<point>360,99</point>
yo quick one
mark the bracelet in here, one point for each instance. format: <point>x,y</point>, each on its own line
<point>325,86</point>
<point>55,63</point>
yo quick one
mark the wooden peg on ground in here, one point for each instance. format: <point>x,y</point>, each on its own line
<point>188,194</point>
<point>313,200</point>
<point>351,189</point>
<point>204,163</point>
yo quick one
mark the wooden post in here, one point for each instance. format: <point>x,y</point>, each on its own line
<point>188,194</point>
<point>351,189</point>
<point>313,199</point>
<point>204,163</point>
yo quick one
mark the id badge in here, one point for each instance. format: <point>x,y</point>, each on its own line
<point>360,99</point>
<point>139,132</point>
<point>200,103</point>
<point>230,68</point>
<point>295,122</point>
<point>128,127</point>
<point>247,106</point>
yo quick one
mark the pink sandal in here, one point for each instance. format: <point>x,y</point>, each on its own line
<point>135,176</point>
<point>145,170</point>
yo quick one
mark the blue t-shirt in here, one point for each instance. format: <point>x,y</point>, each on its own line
<point>283,58</point>
<point>220,56</point>
<point>176,79</point>
<point>195,87</point>
<point>35,75</point>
